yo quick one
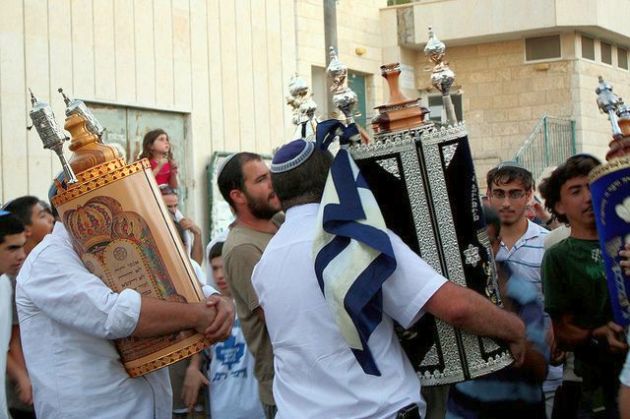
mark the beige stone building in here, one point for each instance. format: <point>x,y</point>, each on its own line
<point>215,73</point>
<point>516,62</point>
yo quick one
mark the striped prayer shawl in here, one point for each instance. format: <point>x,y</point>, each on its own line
<point>353,255</point>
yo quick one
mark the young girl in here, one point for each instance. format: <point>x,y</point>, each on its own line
<point>157,148</point>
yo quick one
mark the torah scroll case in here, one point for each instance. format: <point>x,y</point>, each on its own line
<point>610,192</point>
<point>424,181</point>
<point>121,230</point>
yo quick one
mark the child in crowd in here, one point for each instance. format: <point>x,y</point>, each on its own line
<point>38,221</point>
<point>156,147</point>
<point>233,387</point>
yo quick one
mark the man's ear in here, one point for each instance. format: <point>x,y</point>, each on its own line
<point>237,196</point>
<point>559,208</point>
<point>28,232</point>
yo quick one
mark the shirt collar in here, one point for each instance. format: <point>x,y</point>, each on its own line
<point>301,210</point>
<point>533,231</point>
<point>59,230</point>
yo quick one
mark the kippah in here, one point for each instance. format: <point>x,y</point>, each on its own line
<point>224,163</point>
<point>291,155</point>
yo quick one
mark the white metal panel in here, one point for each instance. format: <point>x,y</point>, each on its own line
<point>104,50</point>
<point>215,76</point>
<point>82,48</point>
<point>37,78</point>
<point>163,34</point>
<point>182,54</point>
<point>13,101</point>
<point>145,58</point>
<point>60,59</point>
<point>125,54</point>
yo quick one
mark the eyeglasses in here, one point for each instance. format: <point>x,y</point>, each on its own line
<point>512,195</point>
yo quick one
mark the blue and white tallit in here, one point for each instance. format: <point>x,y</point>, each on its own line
<point>352,251</point>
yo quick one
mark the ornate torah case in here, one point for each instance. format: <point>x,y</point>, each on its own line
<point>424,182</point>
<point>610,192</point>
<point>122,231</point>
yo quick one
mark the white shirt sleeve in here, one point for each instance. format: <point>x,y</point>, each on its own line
<point>411,285</point>
<point>208,290</point>
<point>59,285</point>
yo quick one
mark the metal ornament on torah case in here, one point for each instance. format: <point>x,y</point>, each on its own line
<point>121,230</point>
<point>424,182</point>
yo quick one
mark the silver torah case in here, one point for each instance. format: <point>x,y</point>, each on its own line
<point>424,181</point>
<point>425,185</point>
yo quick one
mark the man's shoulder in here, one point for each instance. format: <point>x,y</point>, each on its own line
<point>240,235</point>
<point>559,248</point>
<point>536,233</point>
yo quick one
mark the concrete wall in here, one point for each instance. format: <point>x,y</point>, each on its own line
<point>226,64</point>
<point>503,97</point>
<point>359,40</point>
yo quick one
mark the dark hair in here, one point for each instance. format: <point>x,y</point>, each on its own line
<point>502,175</point>
<point>149,139</point>
<point>9,225</point>
<point>22,208</point>
<point>304,184</point>
<point>46,206</point>
<point>215,251</point>
<point>575,166</point>
<point>231,175</point>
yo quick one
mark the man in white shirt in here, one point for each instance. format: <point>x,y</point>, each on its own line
<point>69,319</point>
<point>12,240</point>
<point>316,373</point>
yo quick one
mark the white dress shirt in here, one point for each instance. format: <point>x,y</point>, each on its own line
<point>68,319</point>
<point>6,314</point>
<point>316,374</point>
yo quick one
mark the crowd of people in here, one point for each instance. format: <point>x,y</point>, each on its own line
<point>279,349</point>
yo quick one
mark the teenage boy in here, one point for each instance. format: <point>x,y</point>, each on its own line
<point>12,239</point>
<point>510,190</point>
<point>38,222</point>
<point>576,293</point>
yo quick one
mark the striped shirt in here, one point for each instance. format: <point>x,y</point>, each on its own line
<point>525,257</point>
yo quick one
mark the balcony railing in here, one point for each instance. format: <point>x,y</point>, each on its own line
<point>551,142</point>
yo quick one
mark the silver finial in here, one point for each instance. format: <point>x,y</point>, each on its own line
<point>343,97</point>
<point>304,107</point>
<point>78,107</point>
<point>442,77</point>
<point>50,133</point>
<point>434,45</point>
<point>609,103</point>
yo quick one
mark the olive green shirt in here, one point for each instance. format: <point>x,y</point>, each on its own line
<point>241,252</point>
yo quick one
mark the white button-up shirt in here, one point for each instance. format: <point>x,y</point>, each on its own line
<point>6,294</point>
<point>316,374</point>
<point>68,319</point>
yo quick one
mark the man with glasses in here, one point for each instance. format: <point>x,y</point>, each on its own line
<point>510,189</point>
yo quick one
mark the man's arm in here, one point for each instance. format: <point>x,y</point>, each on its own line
<point>60,280</point>
<point>18,374</point>
<point>570,336</point>
<point>196,250</point>
<point>466,309</point>
<point>158,318</point>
